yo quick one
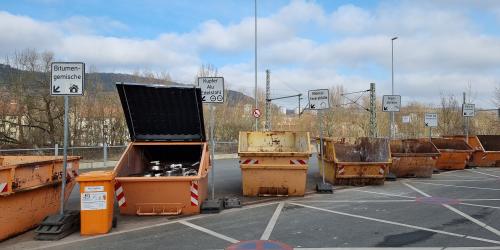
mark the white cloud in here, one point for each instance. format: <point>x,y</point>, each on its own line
<point>440,47</point>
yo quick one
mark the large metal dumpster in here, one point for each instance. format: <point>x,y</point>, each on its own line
<point>30,190</point>
<point>364,162</point>
<point>454,153</point>
<point>489,156</point>
<point>164,169</point>
<point>413,158</point>
<point>274,163</point>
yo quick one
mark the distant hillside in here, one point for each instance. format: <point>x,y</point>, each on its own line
<point>108,81</point>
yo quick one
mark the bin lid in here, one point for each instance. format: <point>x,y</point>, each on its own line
<point>96,176</point>
<point>162,113</point>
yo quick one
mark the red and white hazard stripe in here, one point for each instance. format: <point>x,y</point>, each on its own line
<point>381,170</point>
<point>249,161</point>
<point>3,187</point>
<point>341,170</point>
<point>194,193</point>
<point>298,162</point>
<point>120,195</point>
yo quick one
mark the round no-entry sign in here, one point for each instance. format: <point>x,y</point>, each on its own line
<point>256,113</point>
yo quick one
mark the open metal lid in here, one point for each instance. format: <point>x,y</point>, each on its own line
<point>162,113</point>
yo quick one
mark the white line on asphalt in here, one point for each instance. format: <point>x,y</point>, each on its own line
<point>458,186</point>
<point>484,225</point>
<point>208,231</point>
<point>352,201</point>
<point>399,248</point>
<point>476,180</point>
<point>272,222</point>
<point>470,170</point>
<point>477,205</point>
<point>479,223</point>
<point>400,224</point>
<point>152,226</point>
<point>479,199</point>
<point>386,194</point>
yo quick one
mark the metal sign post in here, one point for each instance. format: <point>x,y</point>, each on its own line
<point>67,79</point>
<point>468,110</point>
<point>319,99</point>
<point>391,103</point>
<point>430,120</point>
<point>212,91</point>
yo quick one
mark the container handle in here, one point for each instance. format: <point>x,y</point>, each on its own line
<point>159,209</point>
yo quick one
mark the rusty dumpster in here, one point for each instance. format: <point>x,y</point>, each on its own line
<point>413,158</point>
<point>30,190</point>
<point>274,163</point>
<point>489,156</point>
<point>163,171</point>
<point>454,153</point>
<point>364,162</point>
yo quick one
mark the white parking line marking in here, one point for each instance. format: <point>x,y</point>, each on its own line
<point>272,222</point>
<point>476,180</point>
<point>353,201</point>
<point>399,224</point>
<point>399,248</point>
<point>152,226</point>
<point>470,170</point>
<point>479,223</point>
<point>458,186</point>
<point>477,205</point>
<point>479,199</point>
<point>210,232</point>
<point>386,194</point>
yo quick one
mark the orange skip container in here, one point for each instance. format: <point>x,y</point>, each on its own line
<point>30,190</point>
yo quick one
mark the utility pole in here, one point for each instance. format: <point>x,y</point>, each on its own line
<point>391,127</point>
<point>373,111</point>
<point>466,122</point>
<point>255,41</point>
<point>268,101</point>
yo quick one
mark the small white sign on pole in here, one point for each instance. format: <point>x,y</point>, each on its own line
<point>212,89</point>
<point>67,78</point>
<point>391,103</point>
<point>468,109</point>
<point>431,120</point>
<point>319,99</point>
<point>406,119</point>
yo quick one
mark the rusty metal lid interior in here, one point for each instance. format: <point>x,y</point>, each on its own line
<point>162,113</point>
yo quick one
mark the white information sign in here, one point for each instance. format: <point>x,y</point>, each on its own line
<point>212,89</point>
<point>406,119</point>
<point>93,200</point>
<point>94,189</point>
<point>391,103</point>
<point>67,78</point>
<point>431,120</point>
<point>319,99</point>
<point>468,109</point>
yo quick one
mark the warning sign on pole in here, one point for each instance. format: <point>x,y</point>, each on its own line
<point>256,113</point>
<point>431,120</point>
<point>319,99</point>
<point>468,109</point>
<point>212,89</point>
<point>391,103</point>
<point>67,78</point>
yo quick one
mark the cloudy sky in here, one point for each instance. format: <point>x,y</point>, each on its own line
<point>443,46</point>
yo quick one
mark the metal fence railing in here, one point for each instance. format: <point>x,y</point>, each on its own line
<point>101,153</point>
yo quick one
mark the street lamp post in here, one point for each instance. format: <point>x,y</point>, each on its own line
<point>391,127</point>
<point>255,41</point>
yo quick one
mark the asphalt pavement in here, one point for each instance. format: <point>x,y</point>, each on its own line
<point>452,210</point>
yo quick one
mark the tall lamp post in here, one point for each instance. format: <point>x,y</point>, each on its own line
<point>255,41</point>
<point>391,129</point>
